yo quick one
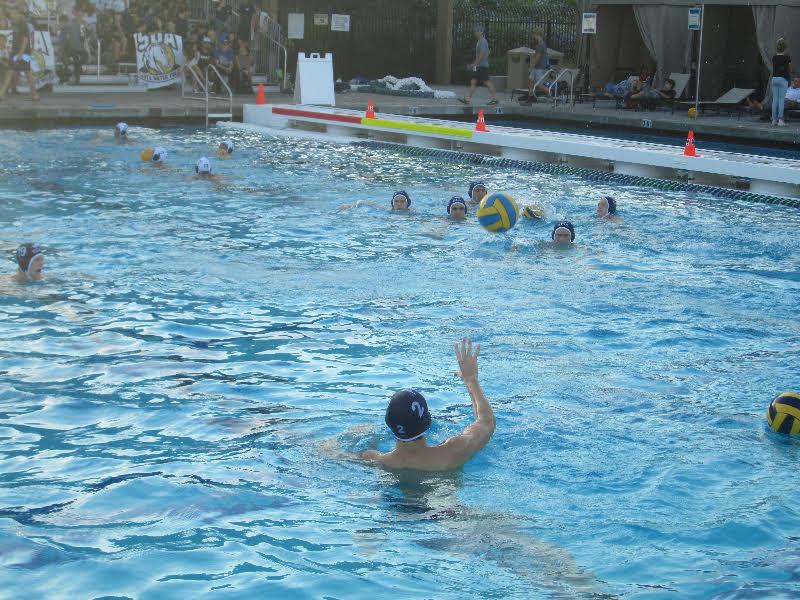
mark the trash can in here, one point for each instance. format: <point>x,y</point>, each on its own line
<point>519,66</point>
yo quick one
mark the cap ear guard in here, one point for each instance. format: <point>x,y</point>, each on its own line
<point>196,169</point>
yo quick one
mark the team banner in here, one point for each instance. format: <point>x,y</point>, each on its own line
<point>159,58</point>
<point>42,59</point>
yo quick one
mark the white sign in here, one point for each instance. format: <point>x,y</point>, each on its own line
<point>320,19</point>
<point>340,22</point>
<point>589,23</point>
<point>314,81</point>
<point>42,59</point>
<point>296,26</point>
<point>694,19</point>
<point>159,58</point>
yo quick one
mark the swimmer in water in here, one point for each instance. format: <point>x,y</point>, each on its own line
<point>477,191</point>
<point>607,209</point>
<point>534,211</point>
<point>457,208</point>
<point>121,132</point>
<point>409,418</point>
<point>202,169</point>
<point>225,149</point>
<point>156,155</point>
<point>400,202</point>
<point>563,233</point>
<point>30,262</point>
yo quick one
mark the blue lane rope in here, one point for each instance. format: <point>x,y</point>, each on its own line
<point>589,174</point>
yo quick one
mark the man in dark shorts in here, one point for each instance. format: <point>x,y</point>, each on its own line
<point>480,68</point>
<point>20,54</point>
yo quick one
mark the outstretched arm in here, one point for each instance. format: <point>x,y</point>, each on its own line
<point>478,434</point>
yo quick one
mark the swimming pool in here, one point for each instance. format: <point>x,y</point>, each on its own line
<point>166,394</point>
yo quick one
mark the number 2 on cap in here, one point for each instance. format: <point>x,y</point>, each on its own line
<point>415,406</point>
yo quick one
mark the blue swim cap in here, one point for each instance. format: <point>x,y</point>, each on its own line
<point>404,195</point>
<point>407,415</point>
<point>612,204</point>
<point>25,254</point>
<point>456,200</point>
<point>476,184</point>
<point>564,225</point>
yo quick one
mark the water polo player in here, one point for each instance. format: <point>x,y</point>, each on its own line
<point>30,263</point>
<point>203,169</point>
<point>457,208</point>
<point>607,209</point>
<point>400,202</point>
<point>563,233</point>
<point>121,132</point>
<point>408,417</point>
<point>477,190</point>
<point>156,155</point>
<point>225,149</point>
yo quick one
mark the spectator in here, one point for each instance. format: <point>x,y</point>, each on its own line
<point>540,63</point>
<point>781,76</point>
<point>246,13</point>
<point>70,45</point>
<point>223,59</point>
<point>480,69</point>
<point>222,13</point>
<point>20,55</point>
<point>792,101</point>
<point>182,23</point>
<point>667,92</point>
<point>241,81</point>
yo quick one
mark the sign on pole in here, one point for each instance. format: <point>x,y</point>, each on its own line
<point>694,19</point>
<point>589,23</point>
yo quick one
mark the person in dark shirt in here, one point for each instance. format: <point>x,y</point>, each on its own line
<point>245,18</point>
<point>667,92</point>
<point>781,76</point>
<point>20,54</point>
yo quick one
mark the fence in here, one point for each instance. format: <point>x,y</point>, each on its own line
<point>385,38</point>
<point>509,28</point>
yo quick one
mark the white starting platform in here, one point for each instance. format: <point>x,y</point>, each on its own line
<point>764,175</point>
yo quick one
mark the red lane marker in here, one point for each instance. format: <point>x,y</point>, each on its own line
<point>291,112</point>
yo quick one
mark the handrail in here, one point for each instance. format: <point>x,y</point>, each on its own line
<point>541,79</point>
<point>225,83</point>
<point>553,86</point>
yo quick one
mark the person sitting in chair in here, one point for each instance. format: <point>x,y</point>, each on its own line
<point>652,96</point>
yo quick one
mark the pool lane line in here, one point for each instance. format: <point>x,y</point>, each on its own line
<point>588,174</point>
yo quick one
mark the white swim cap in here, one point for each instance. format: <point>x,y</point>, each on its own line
<point>228,145</point>
<point>203,166</point>
<point>122,128</point>
<point>159,154</point>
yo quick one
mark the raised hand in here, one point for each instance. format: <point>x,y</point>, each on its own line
<point>467,359</point>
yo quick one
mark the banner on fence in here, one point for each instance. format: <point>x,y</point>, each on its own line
<point>159,58</point>
<point>42,59</point>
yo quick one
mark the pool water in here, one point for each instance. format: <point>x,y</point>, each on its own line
<point>173,394</point>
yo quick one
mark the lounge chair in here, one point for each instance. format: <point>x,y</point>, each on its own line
<point>731,99</point>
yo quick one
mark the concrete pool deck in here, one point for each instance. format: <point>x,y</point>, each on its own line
<point>168,106</point>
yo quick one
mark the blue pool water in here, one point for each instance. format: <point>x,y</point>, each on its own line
<point>169,394</point>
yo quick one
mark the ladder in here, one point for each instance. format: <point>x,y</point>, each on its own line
<point>207,95</point>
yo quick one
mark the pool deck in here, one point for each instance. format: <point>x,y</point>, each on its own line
<point>168,107</point>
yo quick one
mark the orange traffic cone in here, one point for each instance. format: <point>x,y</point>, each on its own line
<point>481,124</point>
<point>260,99</point>
<point>689,149</point>
<point>370,110</point>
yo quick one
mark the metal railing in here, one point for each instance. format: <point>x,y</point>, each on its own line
<point>562,76</point>
<point>207,95</point>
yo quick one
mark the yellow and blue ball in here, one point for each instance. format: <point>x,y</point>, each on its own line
<point>498,212</point>
<point>783,413</point>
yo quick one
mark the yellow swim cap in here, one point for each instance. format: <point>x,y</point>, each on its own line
<point>147,154</point>
<point>533,211</point>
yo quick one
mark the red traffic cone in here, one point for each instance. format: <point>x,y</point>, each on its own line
<point>370,110</point>
<point>689,149</point>
<point>260,99</point>
<point>481,124</point>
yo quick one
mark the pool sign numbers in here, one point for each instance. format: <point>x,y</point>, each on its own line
<point>694,19</point>
<point>589,23</point>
